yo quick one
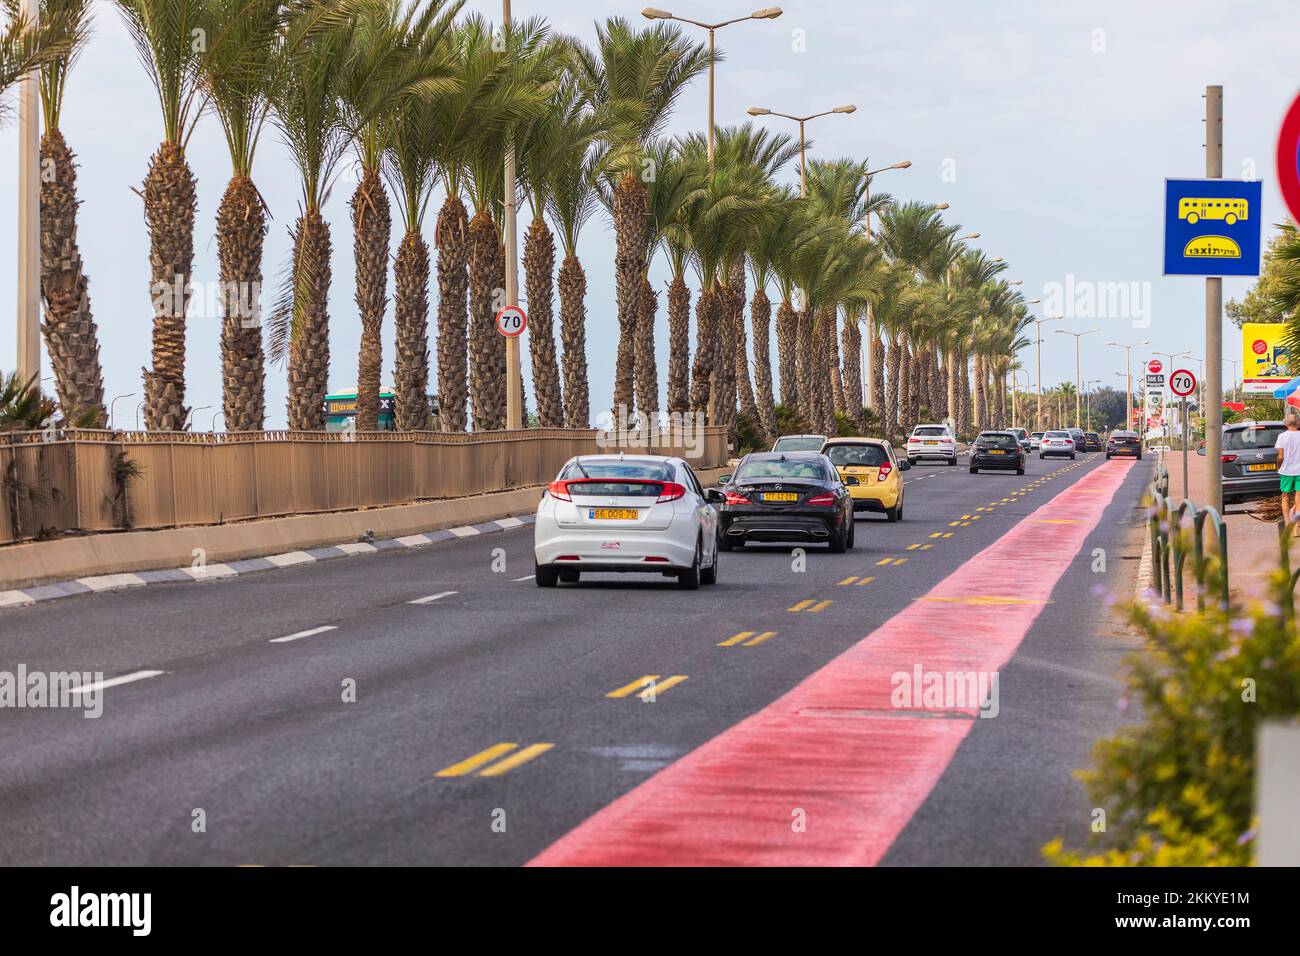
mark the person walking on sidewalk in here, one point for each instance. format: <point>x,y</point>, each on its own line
<point>1288,468</point>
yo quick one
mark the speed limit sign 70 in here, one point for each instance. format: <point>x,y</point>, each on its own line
<point>511,321</point>
<point>1182,383</point>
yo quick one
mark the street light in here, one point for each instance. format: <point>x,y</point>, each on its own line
<point>1236,375</point>
<point>137,415</point>
<point>1128,373</point>
<point>866,371</point>
<point>1038,341</point>
<point>215,416</point>
<point>114,402</point>
<point>801,120</point>
<point>194,411</point>
<point>1078,336</point>
<point>767,13</point>
<point>952,376</point>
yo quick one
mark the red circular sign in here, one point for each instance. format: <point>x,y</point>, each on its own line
<point>1288,158</point>
<point>1154,366</point>
<point>1259,346</point>
<point>511,321</point>
<point>1182,383</point>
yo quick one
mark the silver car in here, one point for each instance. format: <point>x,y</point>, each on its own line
<point>1250,461</point>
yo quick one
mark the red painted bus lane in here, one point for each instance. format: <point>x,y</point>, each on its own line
<point>832,771</point>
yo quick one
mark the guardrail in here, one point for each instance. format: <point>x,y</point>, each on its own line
<point>1172,542</point>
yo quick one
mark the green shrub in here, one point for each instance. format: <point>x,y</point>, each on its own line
<point>1178,787</point>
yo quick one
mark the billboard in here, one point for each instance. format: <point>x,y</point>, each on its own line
<point>1265,361</point>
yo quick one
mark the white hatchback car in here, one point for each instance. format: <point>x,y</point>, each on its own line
<point>931,441</point>
<point>638,513</point>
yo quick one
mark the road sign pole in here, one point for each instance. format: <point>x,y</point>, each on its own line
<point>1186,449</point>
<point>514,379</point>
<point>1214,318</point>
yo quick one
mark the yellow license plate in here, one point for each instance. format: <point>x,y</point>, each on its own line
<point>614,514</point>
<point>780,496</point>
<point>1270,466</point>
<point>996,451</point>
<point>930,443</point>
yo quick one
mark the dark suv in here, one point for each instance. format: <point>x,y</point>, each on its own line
<point>999,450</point>
<point>1250,461</point>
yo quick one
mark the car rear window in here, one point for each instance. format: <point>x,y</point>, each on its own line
<point>634,477</point>
<point>996,440</point>
<point>930,431</point>
<point>856,456</point>
<point>799,444</point>
<point>779,468</point>
<point>1058,435</point>
<point>1259,436</point>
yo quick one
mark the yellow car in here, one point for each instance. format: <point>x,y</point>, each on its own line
<point>879,473</point>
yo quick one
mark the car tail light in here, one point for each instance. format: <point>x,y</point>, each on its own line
<point>670,491</point>
<point>559,490</point>
<point>946,441</point>
<point>657,560</point>
<point>1229,457</point>
<point>568,557</point>
<point>735,499</point>
<point>885,472</point>
<point>822,499</point>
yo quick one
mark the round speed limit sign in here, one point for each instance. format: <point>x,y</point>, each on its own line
<point>511,321</point>
<point>1182,383</point>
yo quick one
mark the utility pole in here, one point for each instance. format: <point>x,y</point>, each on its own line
<point>1214,318</point>
<point>29,220</point>
<point>514,375</point>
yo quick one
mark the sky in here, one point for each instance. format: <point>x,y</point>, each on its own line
<point>1049,127</point>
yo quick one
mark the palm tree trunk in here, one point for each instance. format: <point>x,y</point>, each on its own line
<point>539,266</point>
<point>980,397</point>
<point>452,238</point>
<point>629,208</point>
<point>372,224</point>
<point>679,346</point>
<point>787,336</point>
<point>411,312</point>
<point>876,399</point>
<point>309,349</point>
<point>723,389</point>
<point>892,422</point>
<point>906,411</point>
<point>744,385</point>
<point>963,392</point>
<point>828,370</point>
<point>573,333</point>
<point>241,230</point>
<point>647,372</point>
<point>852,374</point>
<point>487,384</point>
<point>806,369</point>
<point>706,320</point>
<point>839,402</point>
<point>760,310</point>
<point>70,334</point>
<point>170,198</point>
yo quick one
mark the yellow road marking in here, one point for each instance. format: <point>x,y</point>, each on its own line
<point>731,641</point>
<point>801,605</point>
<point>641,683</point>
<point>898,561</point>
<point>953,524</point>
<point>761,638</point>
<point>945,534</point>
<point>967,517</point>
<point>820,606</point>
<point>515,759</point>
<point>885,561</point>
<point>470,764</point>
<point>661,686</point>
<point>937,534</point>
<point>850,579</point>
<point>983,509</point>
<point>912,547</point>
<point>982,600</point>
<point>865,581</point>
<point>962,524</point>
<point>926,547</point>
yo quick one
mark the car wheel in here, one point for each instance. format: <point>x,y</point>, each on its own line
<point>568,576</point>
<point>710,574</point>
<point>853,530</point>
<point>912,462</point>
<point>894,513</point>
<point>1139,457</point>
<point>1072,458</point>
<point>952,460</point>
<point>724,543</point>
<point>838,541</point>
<point>974,470</point>
<point>1020,471</point>
<point>689,580</point>
<point>546,576</point>
<point>1108,457</point>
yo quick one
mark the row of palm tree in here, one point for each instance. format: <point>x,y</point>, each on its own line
<point>426,99</point>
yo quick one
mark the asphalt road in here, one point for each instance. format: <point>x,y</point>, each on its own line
<point>252,737</point>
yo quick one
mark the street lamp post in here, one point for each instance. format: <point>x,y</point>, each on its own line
<point>1038,343</point>
<point>114,402</point>
<point>137,415</point>
<point>1128,374</point>
<point>194,411</point>
<point>953,424</point>
<point>1078,336</point>
<point>866,372</point>
<point>801,120</point>
<point>767,13</point>
<point>1236,376</point>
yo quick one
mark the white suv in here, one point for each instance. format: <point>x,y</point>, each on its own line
<point>932,441</point>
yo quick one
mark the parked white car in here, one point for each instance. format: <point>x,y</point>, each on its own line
<point>932,441</point>
<point>644,513</point>
<point>799,443</point>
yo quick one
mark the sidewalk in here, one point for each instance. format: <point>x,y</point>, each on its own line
<point>1252,544</point>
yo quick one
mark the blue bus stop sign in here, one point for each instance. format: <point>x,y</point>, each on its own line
<point>1212,227</point>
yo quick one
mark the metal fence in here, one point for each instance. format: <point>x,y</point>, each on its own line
<point>78,480</point>
<point>1178,531</point>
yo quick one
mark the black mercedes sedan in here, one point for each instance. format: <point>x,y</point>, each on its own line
<point>786,496</point>
<point>997,450</point>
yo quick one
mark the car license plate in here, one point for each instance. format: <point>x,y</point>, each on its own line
<point>1269,466</point>
<point>613,514</point>
<point>780,496</point>
<point>996,451</point>
<point>931,443</point>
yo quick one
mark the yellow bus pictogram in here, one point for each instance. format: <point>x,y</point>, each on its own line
<point>1230,210</point>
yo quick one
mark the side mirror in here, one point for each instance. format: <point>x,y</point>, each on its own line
<point>1201,451</point>
<point>851,482</point>
<point>904,465</point>
<point>714,497</point>
<point>724,479</point>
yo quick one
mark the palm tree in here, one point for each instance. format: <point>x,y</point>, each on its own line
<point>239,78</point>
<point>308,111</point>
<point>164,33</point>
<point>778,232</point>
<point>637,74</point>
<point>385,65</point>
<point>70,334</point>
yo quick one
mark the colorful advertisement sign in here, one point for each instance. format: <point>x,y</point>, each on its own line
<point>1265,361</point>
